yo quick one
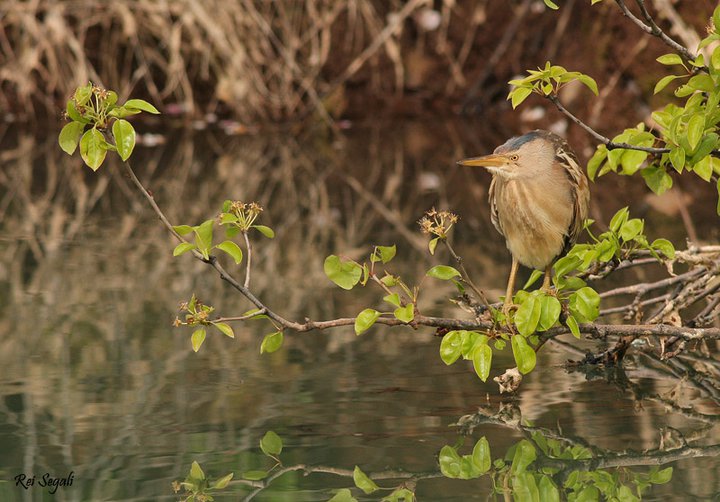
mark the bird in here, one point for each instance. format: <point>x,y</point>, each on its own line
<point>539,198</point>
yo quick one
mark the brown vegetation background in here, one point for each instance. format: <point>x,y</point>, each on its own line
<point>268,61</point>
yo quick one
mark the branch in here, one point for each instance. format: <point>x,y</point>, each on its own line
<point>653,29</point>
<point>603,139</point>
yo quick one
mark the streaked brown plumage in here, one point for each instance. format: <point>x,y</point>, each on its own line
<point>539,199</point>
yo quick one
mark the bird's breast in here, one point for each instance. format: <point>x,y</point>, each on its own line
<point>534,217</point>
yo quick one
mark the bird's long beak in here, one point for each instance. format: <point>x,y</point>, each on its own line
<point>494,163</point>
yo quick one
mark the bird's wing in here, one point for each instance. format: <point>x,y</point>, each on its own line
<point>581,194</point>
<point>493,208</point>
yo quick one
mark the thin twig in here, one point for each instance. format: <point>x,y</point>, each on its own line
<point>465,275</point>
<point>242,317</point>
<point>249,259</point>
<point>653,29</point>
<point>603,139</point>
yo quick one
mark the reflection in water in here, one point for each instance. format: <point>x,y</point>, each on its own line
<point>96,382</point>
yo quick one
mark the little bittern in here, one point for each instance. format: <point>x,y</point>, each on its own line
<point>539,199</point>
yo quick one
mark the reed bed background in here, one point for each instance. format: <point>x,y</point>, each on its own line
<point>261,60</point>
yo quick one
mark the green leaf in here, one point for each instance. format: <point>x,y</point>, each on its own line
<point>631,161</point>
<point>715,58</point>
<point>547,490</point>
<point>92,148</point>
<point>657,179</point>
<point>393,299</point>
<point>182,248</point>
<point>365,320</point>
<point>443,272</point>
<point>271,342</point>
<point>702,82</point>
<point>584,304</point>
<point>551,4</point>
<point>665,247</point>
<point>121,112</point>
<point>74,114</point>
<point>406,313</point>
<point>225,328</point>
<point>386,253</point>
<point>663,82</point>
<point>525,454</point>
<point>343,495</point>
<point>631,229</point>
<point>433,244</point>
<point>222,482</point>
<point>549,312</point>
<point>695,130</point>
<point>704,168</point>
<point>183,229</point>
<point>524,355</point>
<point>677,158</point>
<point>596,161</point>
<point>482,360</point>
<point>124,135</point>
<point>70,136</point>
<point>619,219</point>
<point>401,494</point>
<point>82,94</point>
<point>196,472</point>
<point>363,482</point>
<point>449,462</point>
<point>345,274</point>
<point>527,316</point>
<point>573,325</point>
<point>254,475</point>
<point>451,347</point>
<point>203,236</point>
<point>481,455</point>
<point>389,280</point>
<point>670,59</point>
<point>661,477</point>
<point>140,104</point>
<point>266,231</point>
<point>534,276</point>
<point>589,82</point>
<point>518,95</point>
<point>271,444</point>
<point>197,338</point>
<point>232,249</point>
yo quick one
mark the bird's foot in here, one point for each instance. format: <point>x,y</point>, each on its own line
<point>507,309</point>
<point>549,291</point>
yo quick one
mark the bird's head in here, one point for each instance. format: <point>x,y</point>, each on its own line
<point>521,156</point>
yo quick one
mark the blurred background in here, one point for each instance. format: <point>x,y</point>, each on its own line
<point>344,120</point>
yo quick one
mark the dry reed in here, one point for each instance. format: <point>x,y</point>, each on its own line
<point>255,59</point>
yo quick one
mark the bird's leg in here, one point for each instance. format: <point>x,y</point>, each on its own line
<point>546,280</point>
<point>508,304</point>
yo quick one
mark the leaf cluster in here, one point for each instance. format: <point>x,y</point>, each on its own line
<point>348,273</point>
<point>547,81</point>
<point>238,216</point>
<point>368,486</point>
<point>96,109</point>
<point>524,470</point>
<point>687,134</point>
<point>197,314</point>
<point>199,486</point>
<point>271,445</point>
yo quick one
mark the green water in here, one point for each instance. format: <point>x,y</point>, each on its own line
<point>96,382</point>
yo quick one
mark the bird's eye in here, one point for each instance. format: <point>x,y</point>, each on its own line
<point>514,158</point>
